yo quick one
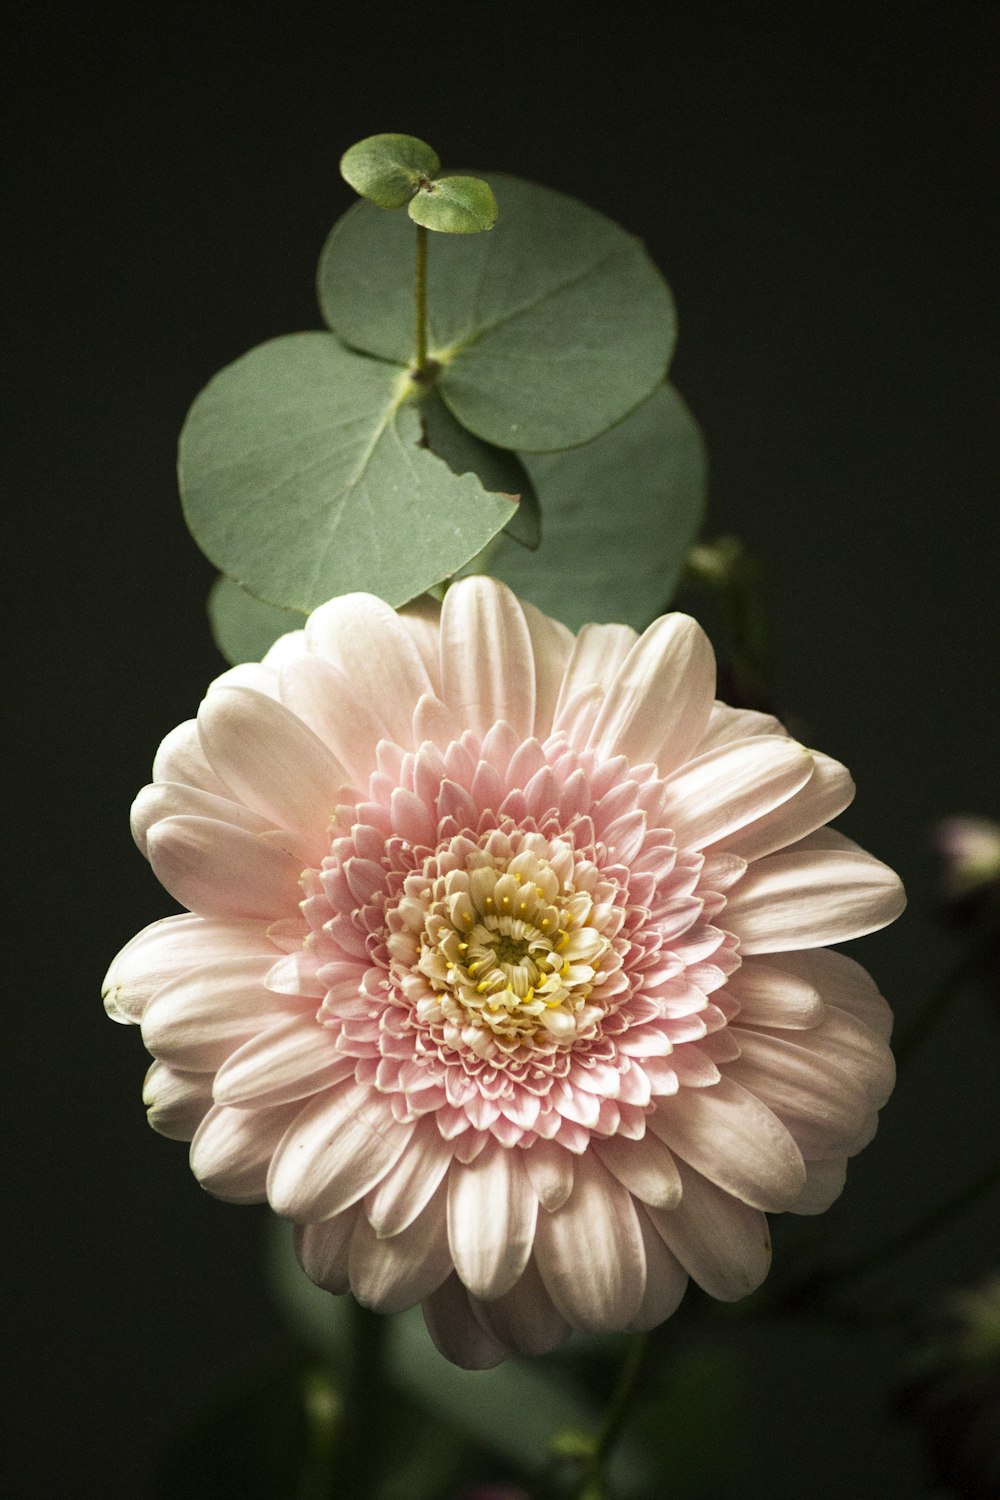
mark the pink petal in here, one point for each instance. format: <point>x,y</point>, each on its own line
<point>772,993</point>
<point>551,645</point>
<point>645,1167</point>
<point>338,1147</point>
<point>180,758</point>
<point>232,1150</point>
<point>487,660</point>
<point>733,1139</point>
<point>726,724</point>
<point>658,705</point>
<point>732,785</point>
<point>594,662</point>
<point>550,1168</point>
<point>171,947</point>
<point>666,1280</point>
<point>390,1275</point>
<point>323,1250</point>
<point>590,1252</point>
<point>492,1209</point>
<point>456,1331</point>
<point>826,794</point>
<point>422,618</point>
<point>325,699</point>
<point>840,981</point>
<point>824,1185</point>
<point>291,1060</point>
<point>271,761</point>
<point>176,1102</point>
<point>808,898</point>
<point>219,871</point>
<point>408,1187</point>
<point>722,1244</point>
<point>818,1102</point>
<point>197,1019</point>
<point>169,799</point>
<point>524,1318</point>
<point>366,640</point>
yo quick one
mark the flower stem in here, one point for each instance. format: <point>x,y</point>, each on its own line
<point>420,292</point>
<point>594,1484</point>
<point>936,1003</point>
<point>365,1412</point>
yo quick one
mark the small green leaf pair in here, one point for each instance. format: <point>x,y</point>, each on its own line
<point>396,171</point>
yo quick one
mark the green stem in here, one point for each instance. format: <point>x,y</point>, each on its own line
<point>943,993</point>
<point>420,290</point>
<point>365,1413</point>
<point>595,1485</point>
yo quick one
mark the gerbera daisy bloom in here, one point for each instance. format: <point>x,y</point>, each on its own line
<point>504,976</point>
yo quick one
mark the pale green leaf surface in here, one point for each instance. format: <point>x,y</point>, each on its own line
<point>454,205</point>
<point>549,330</point>
<point>243,627</point>
<point>498,469</point>
<point>388,169</point>
<point>303,476</point>
<point>618,517</point>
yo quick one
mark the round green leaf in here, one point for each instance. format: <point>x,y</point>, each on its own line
<point>454,205</point>
<point>243,627</point>
<point>388,169</point>
<point>618,518</point>
<point>498,469</point>
<point>302,476</point>
<point>548,331</point>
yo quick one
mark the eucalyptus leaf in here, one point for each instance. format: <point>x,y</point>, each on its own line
<point>388,169</point>
<point>454,205</point>
<point>497,469</point>
<point>618,515</point>
<point>547,332</point>
<point>243,627</point>
<point>303,475</point>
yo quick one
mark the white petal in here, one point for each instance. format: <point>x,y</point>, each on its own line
<point>824,797</point>
<point>722,1244</point>
<point>176,1102</point>
<point>726,724</point>
<point>666,1280</point>
<point>594,661</point>
<point>850,1044</point>
<point>202,1015</point>
<point>408,1187</point>
<point>456,1331</point>
<point>818,1102</point>
<point>733,1139</point>
<point>550,1167</point>
<point>339,1146</point>
<point>390,1275</point>
<point>824,1185</point>
<point>659,704</point>
<point>771,993</point>
<point>171,799</point>
<point>731,786</point>
<point>365,639</point>
<point>292,1060</point>
<point>487,661</point>
<point>645,1167</point>
<point>492,1209</point>
<point>551,644</point>
<point>323,697</point>
<point>323,1250</point>
<point>232,1150</point>
<point>181,758</point>
<point>806,898</point>
<point>840,981</point>
<point>524,1318</point>
<point>173,946</point>
<point>219,871</point>
<point>271,760</point>
<point>590,1252</point>
<point>422,618</point>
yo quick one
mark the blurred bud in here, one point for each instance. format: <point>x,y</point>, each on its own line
<point>971,850</point>
<point>953,1393</point>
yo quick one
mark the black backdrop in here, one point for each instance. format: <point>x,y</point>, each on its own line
<point>812,180</point>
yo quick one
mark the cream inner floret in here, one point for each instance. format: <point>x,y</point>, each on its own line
<point>506,950</point>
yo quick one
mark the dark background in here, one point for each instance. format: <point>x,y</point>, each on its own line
<point>813,181</point>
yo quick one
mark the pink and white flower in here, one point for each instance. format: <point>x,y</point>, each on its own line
<point>504,976</point>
